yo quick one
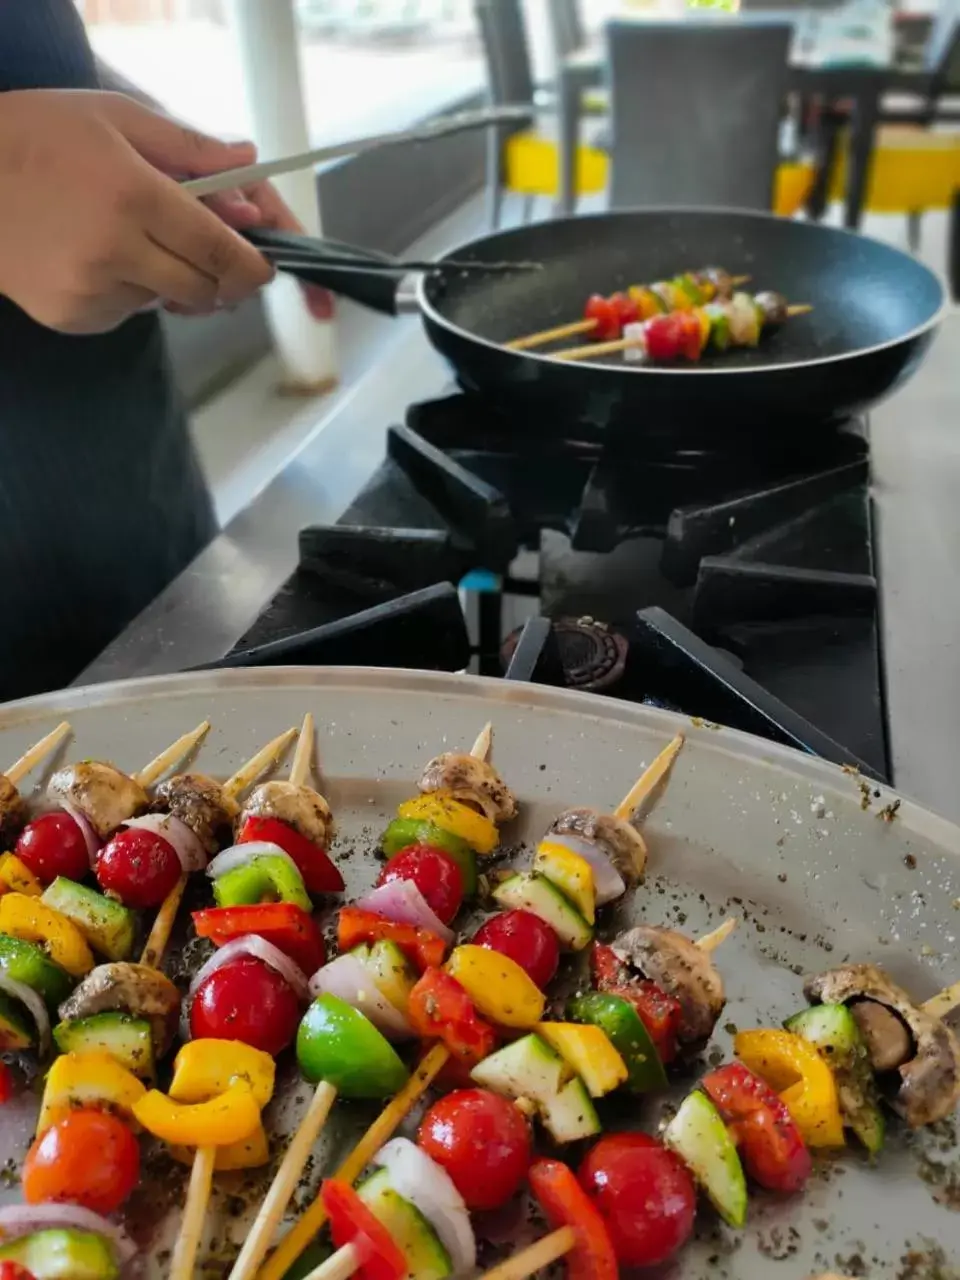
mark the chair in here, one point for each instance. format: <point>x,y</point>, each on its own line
<point>566,28</point>
<point>696,111</point>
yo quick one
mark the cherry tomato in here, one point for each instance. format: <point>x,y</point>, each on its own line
<point>138,867</point>
<point>246,1000</point>
<point>644,1193</point>
<point>665,336</point>
<point>604,315</point>
<point>483,1142</point>
<point>53,845</point>
<point>771,1146</point>
<point>437,877</point>
<point>88,1158</point>
<point>14,1271</point>
<point>626,309</point>
<point>319,873</point>
<point>526,939</point>
<point>6,1083</point>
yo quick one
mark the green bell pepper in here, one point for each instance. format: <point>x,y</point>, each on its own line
<point>338,1044</point>
<point>265,878</point>
<point>625,1031</point>
<point>403,832</point>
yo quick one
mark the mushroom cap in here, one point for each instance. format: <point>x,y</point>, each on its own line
<point>300,807</point>
<point>681,969</point>
<point>199,802</point>
<point>13,811</point>
<point>137,989</point>
<point>466,778</point>
<point>622,841</point>
<point>104,795</point>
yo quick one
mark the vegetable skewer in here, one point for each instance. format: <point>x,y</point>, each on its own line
<point>605,317</point>
<point>12,808</point>
<point>685,335</point>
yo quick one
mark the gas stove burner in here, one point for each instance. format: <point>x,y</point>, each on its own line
<point>592,655</point>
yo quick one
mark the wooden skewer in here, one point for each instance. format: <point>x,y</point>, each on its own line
<point>171,755</point>
<point>249,772</point>
<point>593,349</point>
<point>39,751</point>
<point>303,756</point>
<point>649,780</point>
<point>942,1004</point>
<point>572,330</point>
<point>338,1267</point>
<point>484,744</point>
<point>539,1254</point>
<point>710,941</point>
<point>194,1214</point>
<point>162,927</point>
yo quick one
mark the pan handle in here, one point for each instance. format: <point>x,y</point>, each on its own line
<point>376,290</point>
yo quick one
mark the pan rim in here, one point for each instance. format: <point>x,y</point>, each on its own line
<point>428,309</point>
<point>509,695</point>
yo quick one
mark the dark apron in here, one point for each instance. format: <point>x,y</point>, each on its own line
<point>101,498</point>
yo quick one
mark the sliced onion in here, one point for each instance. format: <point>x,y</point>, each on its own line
<point>238,855</point>
<point>250,944</point>
<point>417,1178</point>
<point>177,834</point>
<point>744,326</point>
<point>607,880</point>
<point>90,837</point>
<point>403,903</point>
<point>35,1006</point>
<point>348,978</point>
<point>635,334</point>
<point>17,1220</point>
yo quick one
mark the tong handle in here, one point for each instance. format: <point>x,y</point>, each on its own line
<point>376,290</point>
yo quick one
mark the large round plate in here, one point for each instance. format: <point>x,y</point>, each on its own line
<point>799,849</point>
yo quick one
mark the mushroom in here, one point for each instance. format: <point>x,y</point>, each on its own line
<point>930,1074</point>
<point>472,781</point>
<point>884,1034</point>
<point>136,989</point>
<point>681,969</point>
<point>300,807</point>
<point>13,811</point>
<point>199,802</point>
<point>106,797</point>
<point>621,841</point>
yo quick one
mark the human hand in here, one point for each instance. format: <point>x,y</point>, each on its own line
<point>91,228</point>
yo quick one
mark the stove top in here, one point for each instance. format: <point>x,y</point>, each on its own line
<point>738,588</point>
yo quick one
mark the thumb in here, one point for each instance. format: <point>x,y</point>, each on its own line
<point>175,148</point>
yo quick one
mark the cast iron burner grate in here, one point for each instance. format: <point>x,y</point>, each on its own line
<point>592,656</point>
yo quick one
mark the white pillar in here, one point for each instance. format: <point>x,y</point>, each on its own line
<point>266,36</point>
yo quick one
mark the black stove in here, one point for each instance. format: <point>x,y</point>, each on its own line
<point>740,588</point>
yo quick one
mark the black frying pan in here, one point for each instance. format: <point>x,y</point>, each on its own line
<point>875,311</point>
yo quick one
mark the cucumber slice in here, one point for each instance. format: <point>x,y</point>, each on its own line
<point>125,1038</point>
<point>426,1257</point>
<point>63,1255</point>
<point>28,963</point>
<point>530,891</point>
<point>529,1068</point>
<point>107,925</point>
<point>17,1031</point>
<point>700,1138</point>
<point>623,1027</point>
<point>834,1031</point>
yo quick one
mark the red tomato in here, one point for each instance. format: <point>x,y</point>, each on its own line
<point>626,309</point>
<point>665,336</point>
<point>320,875</point>
<point>606,968</point>
<point>483,1142</point>
<point>88,1158</point>
<point>771,1147</point>
<point>6,1083</point>
<point>645,1194</point>
<point>604,314</point>
<point>138,867</point>
<point>53,845</point>
<point>565,1204</point>
<point>246,1000</point>
<point>14,1271</point>
<point>526,939</point>
<point>437,877</point>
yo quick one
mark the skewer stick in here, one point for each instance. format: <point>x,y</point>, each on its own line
<point>340,1266</point>
<point>250,771</point>
<point>537,1255</point>
<point>303,756</point>
<point>649,780</point>
<point>573,329</point>
<point>162,926</point>
<point>710,941</point>
<point>594,349</point>
<point>45,747</point>
<point>942,1004</point>
<point>171,755</point>
<point>484,744</point>
<point>380,1132</point>
<point>194,1215</point>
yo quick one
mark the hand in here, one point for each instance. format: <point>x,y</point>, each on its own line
<point>91,228</point>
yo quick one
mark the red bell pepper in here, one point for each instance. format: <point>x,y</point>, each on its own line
<point>288,927</point>
<point>660,1013</point>
<point>320,875</point>
<point>440,1009</point>
<point>6,1083</point>
<point>566,1204</point>
<point>420,946</point>
<point>352,1223</point>
<point>14,1271</point>
<point>770,1144</point>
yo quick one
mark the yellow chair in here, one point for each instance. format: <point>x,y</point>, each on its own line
<point>912,170</point>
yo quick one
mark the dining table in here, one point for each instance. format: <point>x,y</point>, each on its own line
<point>834,60</point>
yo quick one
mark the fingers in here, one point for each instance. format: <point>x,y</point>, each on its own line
<point>172,147</point>
<point>169,277</point>
<point>275,213</point>
<point>233,208</point>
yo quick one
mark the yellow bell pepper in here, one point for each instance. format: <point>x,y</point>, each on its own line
<point>500,989</point>
<point>219,1122</point>
<point>93,1079</point>
<point>571,873</point>
<point>440,808</point>
<point>207,1068</point>
<point>16,877</point>
<point>252,1152</point>
<point>805,1083</point>
<point>33,921</point>
<point>588,1052</point>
